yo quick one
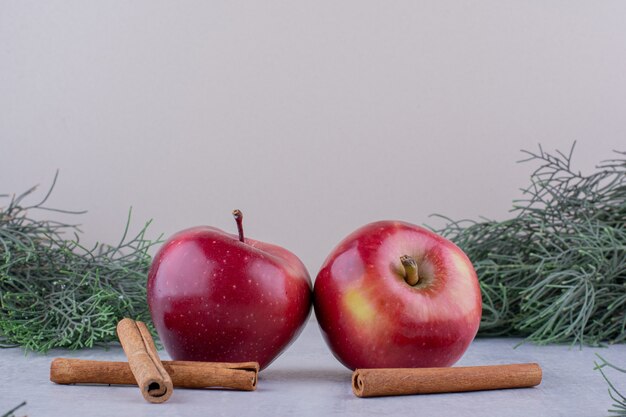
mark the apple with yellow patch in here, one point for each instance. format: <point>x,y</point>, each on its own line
<point>396,295</point>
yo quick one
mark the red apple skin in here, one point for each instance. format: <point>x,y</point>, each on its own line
<point>214,298</point>
<point>371,317</point>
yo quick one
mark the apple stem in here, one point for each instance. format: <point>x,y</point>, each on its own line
<point>238,215</point>
<point>410,269</point>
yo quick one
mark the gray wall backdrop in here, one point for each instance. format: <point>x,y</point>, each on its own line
<point>313,117</point>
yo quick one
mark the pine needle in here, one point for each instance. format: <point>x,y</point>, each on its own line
<point>618,398</point>
<point>11,413</point>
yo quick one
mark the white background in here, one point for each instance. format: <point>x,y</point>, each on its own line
<point>313,117</point>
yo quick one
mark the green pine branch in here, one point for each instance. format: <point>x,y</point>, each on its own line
<point>555,272</point>
<point>57,293</point>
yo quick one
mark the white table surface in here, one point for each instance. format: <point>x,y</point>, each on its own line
<point>307,381</point>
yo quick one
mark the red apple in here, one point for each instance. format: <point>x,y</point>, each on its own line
<point>218,297</point>
<point>396,295</point>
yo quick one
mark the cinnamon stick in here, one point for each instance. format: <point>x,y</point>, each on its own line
<point>153,380</point>
<point>405,381</point>
<point>185,374</point>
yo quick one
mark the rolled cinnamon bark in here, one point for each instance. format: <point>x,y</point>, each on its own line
<point>239,376</point>
<point>153,380</point>
<point>406,381</point>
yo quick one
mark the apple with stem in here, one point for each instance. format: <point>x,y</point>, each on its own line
<point>396,295</point>
<point>218,297</point>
